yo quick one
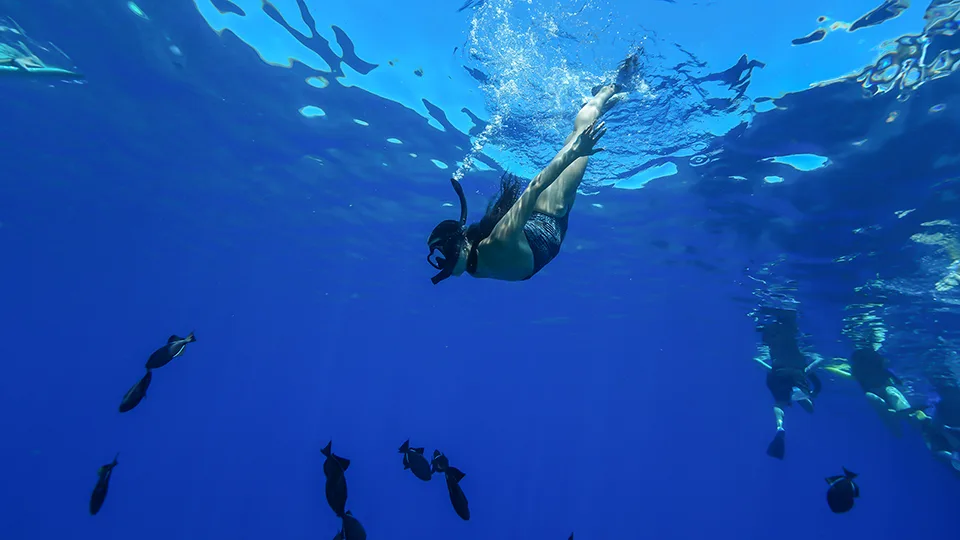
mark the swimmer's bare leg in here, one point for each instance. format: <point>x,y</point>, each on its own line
<point>558,199</point>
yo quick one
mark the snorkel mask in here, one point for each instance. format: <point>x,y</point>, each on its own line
<point>448,239</point>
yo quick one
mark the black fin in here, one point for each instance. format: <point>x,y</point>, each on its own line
<point>848,474</point>
<point>173,338</point>
<point>344,462</point>
<point>817,385</point>
<point>191,338</point>
<point>778,446</point>
<point>405,446</point>
<point>455,474</point>
<point>326,449</point>
<point>436,454</point>
<point>571,537</point>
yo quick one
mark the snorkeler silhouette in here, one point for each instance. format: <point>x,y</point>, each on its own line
<point>521,232</point>
<point>790,378</point>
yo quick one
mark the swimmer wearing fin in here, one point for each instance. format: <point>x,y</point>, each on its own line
<point>869,368</point>
<point>941,432</point>
<point>522,230</point>
<point>790,378</point>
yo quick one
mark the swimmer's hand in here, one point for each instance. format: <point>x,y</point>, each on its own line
<point>585,144</point>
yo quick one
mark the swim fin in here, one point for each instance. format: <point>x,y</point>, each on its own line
<point>778,445</point>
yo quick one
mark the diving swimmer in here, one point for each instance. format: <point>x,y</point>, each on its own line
<point>521,232</point>
<point>941,432</point>
<point>870,369</point>
<point>789,377</point>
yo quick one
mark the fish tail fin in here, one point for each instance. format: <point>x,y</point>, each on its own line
<point>455,473</point>
<point>190,337</point>
<point>326,449</point>
<point>848,474</point>
<point>405,447</point>
<point>115,462</point>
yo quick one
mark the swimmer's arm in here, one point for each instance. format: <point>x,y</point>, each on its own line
<point>583,146</point>
<point>813,364</point>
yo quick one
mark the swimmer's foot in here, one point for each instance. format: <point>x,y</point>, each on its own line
<point>626,72</point>
<point>608,96</point>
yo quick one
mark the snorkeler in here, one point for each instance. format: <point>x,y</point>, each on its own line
<point>941,432</point>
<point>789,377</point>
<point>870,369</point>
<point>520,233</point>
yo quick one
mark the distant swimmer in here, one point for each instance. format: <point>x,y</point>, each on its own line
<point>414,460</point>
<point>103,482</point>
<point>351,528</point>
<point>522,229</point>
<point>174,348</point>
<point>941,432</point>
<point>453,477</point>
<point>139,391</point>
<point>843,490</point>
<point>336,486</point>
<point>790,378</point>
<point>869,368</point>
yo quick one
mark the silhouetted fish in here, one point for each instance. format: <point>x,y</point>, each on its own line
<point>336,488</point>
<point>174,348</point>
<point>352,529</point>
<point>413,459</point>
<point>103,482</point>
<point>842,492</point>
<point>812,37</point>
<point>139,391</point>
<point>440,462</point>
<point>459,500</point>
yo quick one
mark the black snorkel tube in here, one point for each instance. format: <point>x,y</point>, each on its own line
<point>448,239</point>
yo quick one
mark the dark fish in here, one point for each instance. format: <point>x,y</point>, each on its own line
<point>103,482</point>
<point>336,488</point>
<point>352,529</point>
<point>135,394</point>
<point>174,348</point>
<point>459,500</point>
<point>842,492</point>
<point>413,459</point>
<point>440,462</point>
<point>812,37</point>
<point>571,537</point>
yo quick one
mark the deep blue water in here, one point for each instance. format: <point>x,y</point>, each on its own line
<point>613,395</point>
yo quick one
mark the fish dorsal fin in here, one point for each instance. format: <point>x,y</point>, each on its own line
<point>418,450</point>
<point>405,446</point>
<point>848,474</point>
<point>343,462</point>
<point>173,338</point>
<point>326,449</point>
<point>436,454</point>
